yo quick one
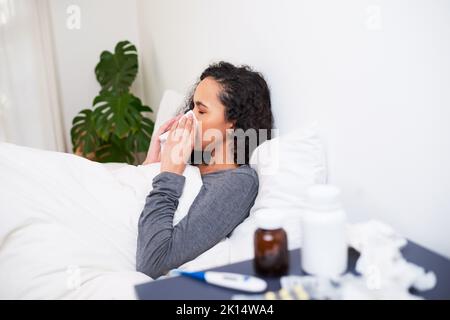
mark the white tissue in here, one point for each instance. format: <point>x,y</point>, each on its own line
<point>387,275</point>
<point>165,135</point>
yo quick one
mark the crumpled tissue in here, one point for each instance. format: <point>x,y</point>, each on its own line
<point>385,273</point>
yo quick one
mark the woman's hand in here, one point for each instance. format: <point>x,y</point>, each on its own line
<point>154,151</point>
<point>179,146</point>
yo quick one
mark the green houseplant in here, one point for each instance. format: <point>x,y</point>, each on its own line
<point>115,129</point>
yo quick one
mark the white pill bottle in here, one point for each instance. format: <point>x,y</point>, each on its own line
<point>324,250</point>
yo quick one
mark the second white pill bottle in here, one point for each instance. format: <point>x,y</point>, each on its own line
<point>324,250</point>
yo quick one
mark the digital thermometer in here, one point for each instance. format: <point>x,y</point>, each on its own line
<point>234,281</point>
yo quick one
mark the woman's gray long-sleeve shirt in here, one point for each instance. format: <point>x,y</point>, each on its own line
<point>223,202</point>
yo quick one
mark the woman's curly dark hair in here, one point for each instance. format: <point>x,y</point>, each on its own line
<point>246,97</point>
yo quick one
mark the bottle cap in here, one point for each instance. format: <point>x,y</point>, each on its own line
<point>269,221</point>
<point>323,196</point>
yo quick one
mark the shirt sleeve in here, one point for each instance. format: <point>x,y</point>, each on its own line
<point>218,208</point>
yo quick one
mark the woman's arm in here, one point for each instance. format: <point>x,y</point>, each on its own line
<point>222,203</point>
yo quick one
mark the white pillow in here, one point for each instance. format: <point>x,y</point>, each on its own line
<point>286,166</point>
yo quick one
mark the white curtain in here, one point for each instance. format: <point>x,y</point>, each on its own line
<point>30,112</point>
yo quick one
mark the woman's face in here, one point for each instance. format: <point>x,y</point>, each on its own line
<point>210,112</point>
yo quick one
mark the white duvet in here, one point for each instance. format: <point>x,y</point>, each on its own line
<point>68,226</point>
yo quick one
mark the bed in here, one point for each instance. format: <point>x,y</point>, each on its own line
<point>68,225</point>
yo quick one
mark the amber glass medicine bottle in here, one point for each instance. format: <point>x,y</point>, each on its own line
<point>271,247</point>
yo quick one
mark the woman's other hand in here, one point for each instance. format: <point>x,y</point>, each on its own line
<point>179,146</point>
<point>154,151</point>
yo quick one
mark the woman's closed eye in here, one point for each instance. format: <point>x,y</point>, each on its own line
<point>201,107</point>
<point>201,110</point>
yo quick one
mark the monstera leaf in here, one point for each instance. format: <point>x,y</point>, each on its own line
<point>84,132</point>
<point>118,114</point>
<point>139,139</point>
<point>117,71</point>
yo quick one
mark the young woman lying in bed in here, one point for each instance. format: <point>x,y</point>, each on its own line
<point>233,112</point>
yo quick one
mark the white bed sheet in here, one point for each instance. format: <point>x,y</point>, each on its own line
<point>68,226</point>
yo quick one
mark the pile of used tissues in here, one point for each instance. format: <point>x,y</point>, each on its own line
<point>384,273</point>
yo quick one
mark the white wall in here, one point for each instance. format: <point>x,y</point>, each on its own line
<point>103,24</point>
<point>376,74</point>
